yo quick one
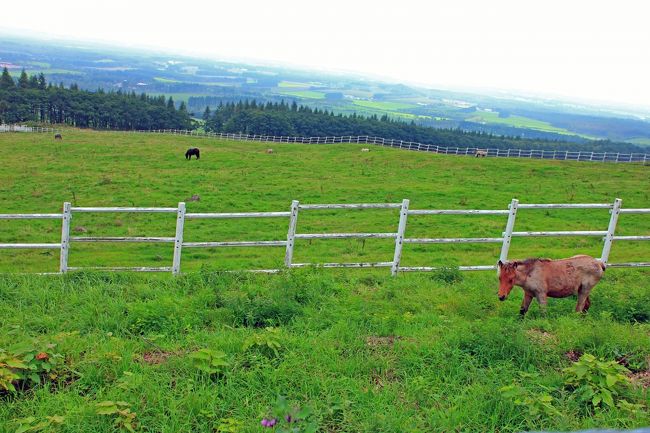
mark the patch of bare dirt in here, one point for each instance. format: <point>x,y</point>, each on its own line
<point>380,379</point>
<point>388,341</point>
<point>573,355</point>
<point>641,378</point>
<point>156,357</point>
<point>540,336</point>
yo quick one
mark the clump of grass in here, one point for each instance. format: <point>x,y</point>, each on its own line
<point>447,275</point>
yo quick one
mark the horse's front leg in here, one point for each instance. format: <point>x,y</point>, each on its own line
<point>542,300</point>
<point>528,298</point>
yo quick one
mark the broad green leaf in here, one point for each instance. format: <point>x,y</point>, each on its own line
<point>15,363</point>
<point>607,398</point>
<point>56,419</point>
<point>611,380</point>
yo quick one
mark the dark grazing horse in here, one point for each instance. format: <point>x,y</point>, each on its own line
<point>192,151</point>
<point>58,137</point>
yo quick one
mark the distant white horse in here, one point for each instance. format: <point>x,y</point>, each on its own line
<point>480,153</point>
<point>365,149</point>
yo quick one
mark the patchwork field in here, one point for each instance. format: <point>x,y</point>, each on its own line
<point>309,94</point>
<point>355,350</point>
<point>518,122</point>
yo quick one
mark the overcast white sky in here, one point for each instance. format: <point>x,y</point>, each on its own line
<point>596,50</point>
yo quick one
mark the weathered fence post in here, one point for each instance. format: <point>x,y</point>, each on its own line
<point>65,237</point>
<point>510,225</point>
<point>609,237</point>
<point>178,239</point>
<point>291,234</point>
<point>399,240</point>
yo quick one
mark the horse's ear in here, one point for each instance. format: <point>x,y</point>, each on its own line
<point>500,264</point>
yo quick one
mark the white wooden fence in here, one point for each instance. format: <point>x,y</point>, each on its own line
<point>293,234</point>
<point>23,128</point>
<point>562,155</point>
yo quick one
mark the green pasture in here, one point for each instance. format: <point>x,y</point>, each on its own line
<point>46,71</point>
<point>640,141</point>
<point>120,169</point>
<point>293,84</point>
<point>384,105</point>
<point>363,351</point>
<point>306,94</point>
<point>519,122</point>
<point>166,80</point>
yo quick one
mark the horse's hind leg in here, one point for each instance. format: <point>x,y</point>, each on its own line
<point>583,299</point>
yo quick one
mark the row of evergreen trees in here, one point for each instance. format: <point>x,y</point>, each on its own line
<point>283,119</point>
<point>31,98</point>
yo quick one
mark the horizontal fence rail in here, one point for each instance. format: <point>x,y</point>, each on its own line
<point>237,215</point>
<point>29,246</point>
<point>30,216</point>
<point>400,237</point>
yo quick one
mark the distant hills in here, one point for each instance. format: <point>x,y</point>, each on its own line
<point>202,83</point>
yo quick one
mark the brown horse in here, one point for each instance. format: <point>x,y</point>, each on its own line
<point>542,278</point>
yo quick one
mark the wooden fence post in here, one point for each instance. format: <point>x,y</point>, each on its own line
<point>507,235</point>
<point>399,240</point>
<point>291,234</point>
<point>178,239</point>
<point>65,237</point>
<point>609,237</point>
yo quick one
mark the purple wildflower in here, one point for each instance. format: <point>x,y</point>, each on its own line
<point>269,422</point>
<point>288,418</point>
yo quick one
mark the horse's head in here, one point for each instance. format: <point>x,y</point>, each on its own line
<point>507,278</point>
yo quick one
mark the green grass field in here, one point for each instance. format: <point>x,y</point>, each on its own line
<point>520,122</point>
<point>364,351</point>
<point>46,70</point>
<point>293,84</point>
<point>306,94</point>
<point>640,141</point>
<point>384,106</point>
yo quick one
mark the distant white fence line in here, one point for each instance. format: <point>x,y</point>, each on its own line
<point>411,145</point>
<point>23,128</point>
<point>560,155</point>
<point>399,235</point>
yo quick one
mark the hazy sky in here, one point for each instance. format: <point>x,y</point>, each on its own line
<point>598,50</point>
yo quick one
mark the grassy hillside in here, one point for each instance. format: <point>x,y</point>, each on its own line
<point>363,351</point>
<point>115,169</point>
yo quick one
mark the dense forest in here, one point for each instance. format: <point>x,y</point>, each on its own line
<point>283,119</point>
<point>31,98</point>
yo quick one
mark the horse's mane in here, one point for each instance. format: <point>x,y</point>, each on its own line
<point>526,263</point>
<point>533,260</point>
